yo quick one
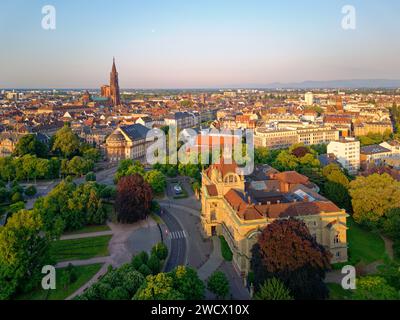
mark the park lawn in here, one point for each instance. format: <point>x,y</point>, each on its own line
<point>336,292</point>
<point>364,246</point>
<point>80,249</point>
<point>84,274</point>
<point>90,229</point>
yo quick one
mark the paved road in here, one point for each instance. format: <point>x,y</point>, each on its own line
<point>177,236</point>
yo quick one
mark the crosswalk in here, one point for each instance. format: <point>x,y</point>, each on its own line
<point>177,235</point>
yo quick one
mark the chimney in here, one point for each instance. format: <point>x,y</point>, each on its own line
<point>306,199</point>
<point>249,199</point>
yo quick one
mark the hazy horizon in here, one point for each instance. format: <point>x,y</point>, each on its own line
<point>179,44</point>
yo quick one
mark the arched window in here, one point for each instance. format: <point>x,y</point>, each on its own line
<point>336,239</point>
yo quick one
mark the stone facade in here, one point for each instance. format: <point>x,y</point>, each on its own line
<point>127,142</point>
<point>239,209</point>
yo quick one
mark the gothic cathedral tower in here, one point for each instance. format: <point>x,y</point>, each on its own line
<point>114,86</point>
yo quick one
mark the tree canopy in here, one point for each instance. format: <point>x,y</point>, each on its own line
<point>133,200</point>
<point>286,250</point>
<point>373,196</point>
<point>24,250</point>
<point>30,144</point>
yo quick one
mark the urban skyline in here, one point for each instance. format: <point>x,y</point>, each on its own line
<point>189,45</point>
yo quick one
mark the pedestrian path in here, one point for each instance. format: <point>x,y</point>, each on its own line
<point>86,262</point>
<point>213,263</point>
<point>103,270</point>
<point>87,235</point>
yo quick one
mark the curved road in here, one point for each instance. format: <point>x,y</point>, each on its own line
<point>177,235</point>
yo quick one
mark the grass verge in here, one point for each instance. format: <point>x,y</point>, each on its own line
<point>225,250</point>
<point>83,275</point>
<point>80,249</point>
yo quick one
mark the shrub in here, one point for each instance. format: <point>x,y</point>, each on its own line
<point>17,197</point>
<point>218,284</point>
<point>30,191</point>
<point>90,176</point>
<point>139,260</point>
<point>144,270</point>
<point>273,289</point>
<point>225,250</point>
<point>160,250</point>
<point>154,264</point>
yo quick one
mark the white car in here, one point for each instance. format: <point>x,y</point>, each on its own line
<point>178,189</point>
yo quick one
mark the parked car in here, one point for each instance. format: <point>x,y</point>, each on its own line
<point>178,189</point>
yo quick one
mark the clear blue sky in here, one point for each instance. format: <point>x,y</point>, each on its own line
<point>196,43</point>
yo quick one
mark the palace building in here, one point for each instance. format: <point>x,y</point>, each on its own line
<point>127,142</point>
<point>239,207</point>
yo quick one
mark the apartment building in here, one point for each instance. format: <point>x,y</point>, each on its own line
<point>280,139</point>
<point>347,153</point>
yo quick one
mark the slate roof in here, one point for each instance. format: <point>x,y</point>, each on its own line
<point>373,149</point>
<point>135,131</point>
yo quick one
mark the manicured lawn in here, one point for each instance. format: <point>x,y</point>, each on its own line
<point>364,246</point>
<point>83,273</point>
<point>90,229</point>
<point>225,250</point>
<point>336,292</point>
<point>80,249</point>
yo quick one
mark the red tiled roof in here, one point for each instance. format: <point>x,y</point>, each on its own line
<point>291,177</point>
<point>212,190</point>
<point>223,168</point>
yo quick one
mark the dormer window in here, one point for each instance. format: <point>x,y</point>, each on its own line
<point>230,179</point>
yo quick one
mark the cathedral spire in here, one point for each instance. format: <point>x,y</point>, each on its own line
<point>114,85</point>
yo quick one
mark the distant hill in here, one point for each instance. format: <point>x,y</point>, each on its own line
<point>332,84</point>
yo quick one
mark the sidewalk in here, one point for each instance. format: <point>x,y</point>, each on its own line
<point>87,235</point>
<point>213,263</point>
<point>103,270</point>
<point>86,262</point>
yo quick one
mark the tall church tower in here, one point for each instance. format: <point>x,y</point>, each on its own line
<point>114,86</point>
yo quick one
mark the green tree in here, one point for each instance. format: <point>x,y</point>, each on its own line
<point>24,250</point>
<point>129,168</point>
<point>30,191</point>
<point>154,264</point>
<point>374,288</point>
<point>17,197</point>
<point>158,287</point>
<point>273,289</point>
<point>157,181</point>
<point>15,207</point>
<point>218,284</point>
<point>90,176</point>
<point>391,223</point>
<point>372,196</point>
<point>92,154</point>
<point>66,143</point>
<point>29,144</point>
<point>160,250</point>
<point>188,283</point>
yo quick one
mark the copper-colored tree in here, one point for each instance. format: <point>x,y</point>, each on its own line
<point>287,251</point>
<point>300,152</point>
<point>133,199</point>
